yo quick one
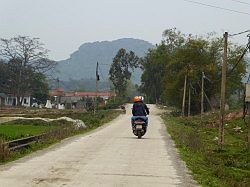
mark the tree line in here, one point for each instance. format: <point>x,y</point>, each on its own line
<point>179,55</point>
<point>197,57</point>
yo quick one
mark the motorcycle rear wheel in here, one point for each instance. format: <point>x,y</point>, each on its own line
<point>139,134</point>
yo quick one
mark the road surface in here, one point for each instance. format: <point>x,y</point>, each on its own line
<point>110,156</point>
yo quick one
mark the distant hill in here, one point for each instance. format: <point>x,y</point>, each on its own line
<point>82,63</point>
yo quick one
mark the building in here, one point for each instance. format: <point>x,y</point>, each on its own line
<point>12,101</point>
<point>84,99</point>
<point>3,97</point>
<point>79,99</point>
<point>77,95</point>
<point>57,92</point>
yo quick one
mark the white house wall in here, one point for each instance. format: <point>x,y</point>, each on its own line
<point>9,101</point>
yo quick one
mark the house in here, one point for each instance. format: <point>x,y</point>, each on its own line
<point>3,97</point>
<point>103,95</point>
<point>78,99</point>
<point>12,101</point>
<point>57,92</point>
<point>84,99</point>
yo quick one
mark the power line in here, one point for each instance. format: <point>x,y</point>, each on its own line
<point>239,33</point>
<point>241,57</point>
<point>213,6</point>
<point>242,2</point>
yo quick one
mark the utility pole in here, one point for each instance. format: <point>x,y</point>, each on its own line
<point>189,98</point>
<point>223,91</point>
<point>114,94</point>
<point>58,97</point>
<point>97,81</point>
<point>57,81</point>
<point>202,94</point>
<point>248,133</point>
<point>247,101</point>
<point>184,96</point>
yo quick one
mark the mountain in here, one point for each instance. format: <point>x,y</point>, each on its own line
<point>82,63</point>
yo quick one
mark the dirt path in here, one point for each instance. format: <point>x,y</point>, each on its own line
<point>112,156</point>
<point>5,119</point>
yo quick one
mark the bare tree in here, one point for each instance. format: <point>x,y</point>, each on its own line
<point>4,74</point>
<point>25,56</point>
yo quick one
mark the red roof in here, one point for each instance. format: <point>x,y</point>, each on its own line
<point>81,94</point>
<point>58,91</point>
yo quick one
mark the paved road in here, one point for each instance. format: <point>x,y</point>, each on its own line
<point>111,156</point>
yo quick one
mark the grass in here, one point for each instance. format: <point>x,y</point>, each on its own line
<point>57,130</point>
<point>13,131</point>
<point>197,143</point>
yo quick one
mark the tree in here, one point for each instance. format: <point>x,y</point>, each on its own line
<point>40,87</point>
<point>154,65</point>
<point>178,55</point>
<point>4,80</point>
<point>25,57</point>
<point>120,70</point>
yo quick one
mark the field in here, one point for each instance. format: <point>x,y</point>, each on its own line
<point>13,131</point>
<point>198,145</point>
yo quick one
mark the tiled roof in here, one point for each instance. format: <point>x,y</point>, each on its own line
<point>71,94</point>
<point>59,91</point>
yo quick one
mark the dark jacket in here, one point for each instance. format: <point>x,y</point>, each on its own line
<point>140,109</point>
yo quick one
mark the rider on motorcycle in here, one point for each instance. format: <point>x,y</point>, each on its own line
<point>139,110</point>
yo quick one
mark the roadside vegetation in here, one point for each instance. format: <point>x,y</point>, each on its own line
<point>184,72</point>
<point>55,131</point>
<point>197,142</point>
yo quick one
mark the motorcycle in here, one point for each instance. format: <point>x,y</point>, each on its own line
<point>139,127</point>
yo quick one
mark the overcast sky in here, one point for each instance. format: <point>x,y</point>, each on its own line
<point>63,25</point>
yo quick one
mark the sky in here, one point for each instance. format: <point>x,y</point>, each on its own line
<point>64,25</point>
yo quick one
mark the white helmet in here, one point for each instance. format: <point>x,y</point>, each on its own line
<point>142,98</point>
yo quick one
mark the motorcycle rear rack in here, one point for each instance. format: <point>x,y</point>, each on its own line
<point>139,122</point>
